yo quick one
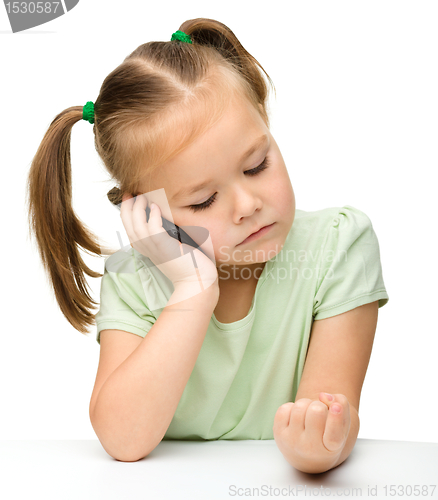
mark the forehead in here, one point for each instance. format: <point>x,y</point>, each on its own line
<point>223,145</point>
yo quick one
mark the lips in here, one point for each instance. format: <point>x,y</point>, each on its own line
<point>256,231</point>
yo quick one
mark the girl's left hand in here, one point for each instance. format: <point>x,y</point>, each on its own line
<point>309,434</point>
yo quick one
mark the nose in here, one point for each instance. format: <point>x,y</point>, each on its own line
<point>246,201</point>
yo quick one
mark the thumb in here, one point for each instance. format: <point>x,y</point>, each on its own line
<point>327,398</point>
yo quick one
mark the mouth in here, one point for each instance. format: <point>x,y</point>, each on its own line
<point>258,234</point>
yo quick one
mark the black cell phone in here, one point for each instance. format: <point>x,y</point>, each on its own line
<point>179,234</point>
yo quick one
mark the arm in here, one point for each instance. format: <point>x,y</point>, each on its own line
<point>309,435</point>
<point>136,404</point>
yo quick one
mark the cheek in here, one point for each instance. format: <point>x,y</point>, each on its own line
<point>220,238</point>
<point>281,193</point>
<point>216,233</point>
<point>279,187</point>
<point>211,238</point>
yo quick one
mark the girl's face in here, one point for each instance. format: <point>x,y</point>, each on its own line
<point>240,192</point>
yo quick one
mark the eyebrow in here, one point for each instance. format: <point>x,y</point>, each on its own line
<point>258,143</point>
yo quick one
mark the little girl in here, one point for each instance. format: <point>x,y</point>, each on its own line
<point>264,334</point>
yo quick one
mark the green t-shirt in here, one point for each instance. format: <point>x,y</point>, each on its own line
<point>330,264</point>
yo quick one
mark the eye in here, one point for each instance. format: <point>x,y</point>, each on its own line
<point>255,171</point>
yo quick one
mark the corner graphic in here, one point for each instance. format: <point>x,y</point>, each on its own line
<point>27,14</point>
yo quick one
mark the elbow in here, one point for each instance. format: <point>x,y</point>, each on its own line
<point>126,453</point>
<point>118,449</point>
<point>128,457</point>
<point>131,455</point>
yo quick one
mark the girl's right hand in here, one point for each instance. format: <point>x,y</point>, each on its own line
<point>174,259</point>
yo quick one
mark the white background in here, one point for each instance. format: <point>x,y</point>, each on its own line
<point>356,120</point>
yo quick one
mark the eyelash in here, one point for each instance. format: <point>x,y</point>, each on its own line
<point>255,171</point>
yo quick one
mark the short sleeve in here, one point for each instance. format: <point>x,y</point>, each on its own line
<point>122,301</point>
<point>350,271</point>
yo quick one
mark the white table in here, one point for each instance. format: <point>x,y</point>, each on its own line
<point>82,470</point>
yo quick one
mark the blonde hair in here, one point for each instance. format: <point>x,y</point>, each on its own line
<point>161,98</point>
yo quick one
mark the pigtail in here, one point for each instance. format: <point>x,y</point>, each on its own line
<point>58,231</point>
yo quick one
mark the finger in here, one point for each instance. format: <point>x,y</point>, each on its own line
<point>139,217</point>
<point>155,221</point>
<point>281,419</point>
<point>126,212</point>
<point>315,420</point>
<point>327,398</point>
<point>337,419</point>
<point>159,235</point>
<point>330,399</point>
<point>298,414</point>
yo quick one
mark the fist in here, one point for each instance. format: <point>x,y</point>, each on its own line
<point>311,434</point>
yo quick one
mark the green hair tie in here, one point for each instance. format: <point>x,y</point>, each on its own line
<point>88,112</point>
<point>88,109</point>
<point>181,36</point>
